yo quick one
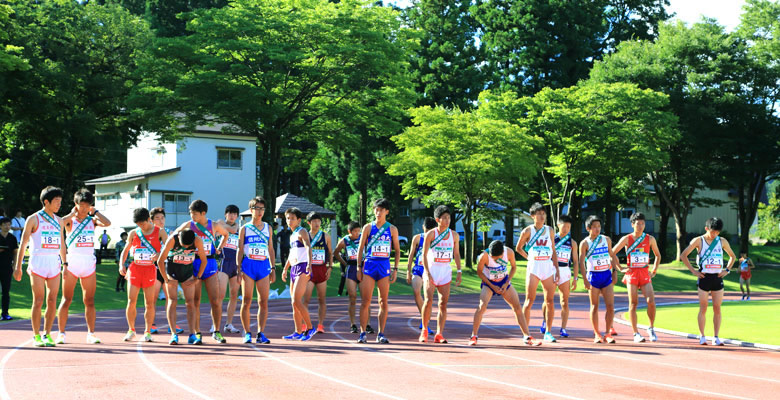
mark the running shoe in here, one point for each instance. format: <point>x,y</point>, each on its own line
<point>610,339</point>
<point>613,332</point>
<point>748,298</point>
<point>717,342</point>
<point>320,328</point>
<point>308,335</point>
<point>174,339</point>
<point>192,339</point>
<point>198,338</point>
<point>48,341</point>
<point>380,338</point>
<point>423,336</point>
<point>529,340</point>
<point>354,329</point>
<point>420,325</point>
<point>543,328</point>
<point>702,340</point>
<point>638,338</point>
<point>247,338</point>
<point>212,329</point>
<point>154,329</point>
<point>563,332</point>
<point>362,337</point>
<point>369,329</point>
<point>598,339</point>
<point>293,336</point>
<point>439,338</point>
<point>148,337</point>
<point>179,331</point>
<point>7,317</point>
<point>430,331</point>
<point>473,341</point>
<point>92,339</point>
<point>743,296</point>
<point>130,335</point>
<point>262,339</point>
<point>37,341</point>
<point>60,338</point>
<point>548,337</point>
<point>230,328</point>
<point>218,337</point>
<point>651,334</point>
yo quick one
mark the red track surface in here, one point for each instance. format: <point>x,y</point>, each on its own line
<point>333,366</point>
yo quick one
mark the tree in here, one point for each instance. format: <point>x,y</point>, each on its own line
<point>450,156</point>
<point>283,71</point>
<point>769,216</point>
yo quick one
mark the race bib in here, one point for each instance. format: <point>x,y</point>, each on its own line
<point>142,256</point>
<point>184,258</point>
<point>257,251</point>
<point>713,265</point>
<point>232,242</point>
<point>352,253</point>
<point>639,259</point>
<point>85,239</point>
<point>442,255</point>
<point>599,260</point>
<point>564,255</point>
<point>380,249</point>
<point>318,256</point>
<point>50,239</point>
<point>206,245</point>
<point>541,253</point>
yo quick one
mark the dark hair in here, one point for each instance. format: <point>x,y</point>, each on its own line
<point>535,208</point>
<point>157,210</point>
<point>199,206</point>
<point>591,220</point>
<point>352,225</point>
<point>50,193</point>
<point>255,201</point>
<point>186,237</point>
<point>294,211</point>
<point>496,248</point>
<point>123,235</point>
<point>636,217</point>
<point>84,196</point>
<point>382,203</point>
<point>312,216</point>
<point>4,220</point>
<point>430,223</point>
<point>441,210</point>
<point>276,224</point>
<point>714,224</point>
<point>231,209</point>
<point>140,214</point>
<point>564,219</point>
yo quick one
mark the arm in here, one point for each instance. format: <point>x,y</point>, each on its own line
<point>337,253</point>
<point>481,262</point>
<point>307,245</point>
<point>732,257</point>
<point>220,229</point>
<point>201,254</point>
<point>163,255</point>
<point>554,258</point>
<point>656,255</point>
<point>525,236</point>
<point>63,249</point>
<point>621,244</point>
<point>583,269</point>
<point>125,252</point>
<point>100,219</point>
<point>612,255</point>
<point>240,250</point>
<point>695,243</point>
<point>271,255</point>
<point>412,253</point>
<point>329,261</point>
<point>30,225</point>
<point>397,247</point>
<point>362,250</point>
<point>427,247</point>
<point>575,264</point>
<point>456,252</point>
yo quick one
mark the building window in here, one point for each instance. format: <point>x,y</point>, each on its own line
<point>108,199</point>
<point>626,214</point>
<point>176,203</point>
<point>404,211</point>
<point>229,159</point>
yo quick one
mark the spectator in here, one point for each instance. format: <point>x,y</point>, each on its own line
<point>284,244</point>
<point>120,246</point>
<point>17,225</point>
<point>745,265</point>
<point>104,241</point>
<point>8,249</point>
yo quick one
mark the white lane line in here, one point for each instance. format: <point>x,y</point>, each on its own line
<point>140,351</point>
<point>463,374</point>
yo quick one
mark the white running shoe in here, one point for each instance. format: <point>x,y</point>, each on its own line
<point>638,338</point>
<point>92,339</point>
<point>212,329</point>
<point>60,338</point>
<point>702,340</point>
<point>230,328</point>
<point>651,333</point>
<point>716,342</point>
<point>130,335</point>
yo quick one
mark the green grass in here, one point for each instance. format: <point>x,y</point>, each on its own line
<point>749,321</point>
<point>765,254</point>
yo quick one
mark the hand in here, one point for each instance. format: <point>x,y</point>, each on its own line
<point>218,251</point>
<point>327,273</point>
<point>458,277</point>
<point>430,277</point>
<point>573,284</point>
<point>92,210</point>
<point>393,275</point>
<point>359,274</point>
<point>308,269</point>
<point>587,285</point>
<point>18,274</point>
<point>698,274</point>
<point>653,272</point>
<point>272,276</point>
<point>284,275</point>
<point>64,271</point>
<point>723,273</point>
<point>557,276</point>
<point>122,270</point>
<point>408,278</point>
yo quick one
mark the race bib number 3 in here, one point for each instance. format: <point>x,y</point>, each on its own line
<point>318,256</point>
<point>639,259</point>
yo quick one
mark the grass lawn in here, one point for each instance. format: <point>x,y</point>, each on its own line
<point>749,321</point>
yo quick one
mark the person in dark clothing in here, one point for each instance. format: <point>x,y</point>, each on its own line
<point>284,243</point>
<point>120,245</point>
<point>8,249</point>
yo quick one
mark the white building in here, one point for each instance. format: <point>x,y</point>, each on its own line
<point>217,168</point>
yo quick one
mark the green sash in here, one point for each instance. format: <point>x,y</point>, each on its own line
<point>376,237</point>
<point>144,241</point>
<point>316,237</point>
<point>440,237</point>
<point>50,219</point>
<point>563,239</point>
<point>635,244</point>
<point>592,248</point>
<point>258,231</point>
<point>709,251</point>
<point>73,235</point>
<point>536,236</point>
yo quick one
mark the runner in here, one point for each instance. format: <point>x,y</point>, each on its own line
<point>180,251</point>
<point>144,246</point>
<point>566,250</point>
<point>43,231</point>
<point>492,269</point>
<point>439,249</point>
<point>374,267</point>
<point>349,245</point>
<point>536,244</point>
<point>207,231</point>
<point>80,229</point>
<point>228,273</point>
<point>299,265</point>
<point>597,258</point>
<point>745,265</point>
<point>415,268</point>
<point>254,262</point>
<point>638,246</point>
<point>322,266</point>
<point>158,219</point>
<point>710,272</point>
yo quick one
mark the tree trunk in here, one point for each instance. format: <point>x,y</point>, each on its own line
<point>467,234</point>
<point>474,250</point>
<point>609,215</point>
<point>270,169</point>
<point>680,220</point>
<point>747,207</point>
<point>574,213</point>
<point>509,227</point>
<point>663,233</point>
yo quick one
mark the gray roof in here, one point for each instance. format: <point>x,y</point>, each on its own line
<point>288,200</point>
<point>126,177</point>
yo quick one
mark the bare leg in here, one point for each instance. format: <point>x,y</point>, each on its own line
<point>352,292</point>
<point>703,304</point>
<point>263,288</point>
<point>150,298</point>
<point>248,285</point>
<point>548,285</point>
<point>171,303</point>
<point>633,299</point>
<point>213,290</point>
<point>88,287</point>
<point>53,286</point>
<point>222,283</point>
<point>322,289</point>
<point>131,311</point>
<point>484,300</point>
<point>513,299</point>
<point>38,286</point>
<point>417,284</point>
<point>532,282</point>
<point>444,297</point>
<point>609,302</point>
<point>384,289</point>
<point>649,293</point>
<point>366,293</point>
<point>594,294</point>
<point>68,287</point>
<point>564,290</point>
<point>188,287</point>
<point>717,300</point>
<point>427,306</point>
<point>196,293</point>
<point>233,301</point>
<point>299,289</point>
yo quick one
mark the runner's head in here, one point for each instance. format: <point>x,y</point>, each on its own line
<point>231,213</point>
<point>443,216</point>
<point>158,217</point>
<point>538,214</point>
<point>257,207</point>
<point>742,255</point>
<point>593,225</point>
<point>187,237</point>
<point>381,208</point>
<point>714,225</point>
<point>496,248</point>
<point>638,222</point>
<point>141,218</point>
<point>354,229</point>
<point>198,210</point>
<point>83,199</point>
<point>429,224</point>
<point>564,224</point>
<point>5,224</point>
<point>293,217</point>
<point>51,197</point>
<point>314,220</point>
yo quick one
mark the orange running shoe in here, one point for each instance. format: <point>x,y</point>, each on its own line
<point>598,339</point>
<point>439,338</point>
<point>610,339</point>
<point>423,336</point>
<point>473,341</point>
<point>613,332</point>
<point>320,328</point>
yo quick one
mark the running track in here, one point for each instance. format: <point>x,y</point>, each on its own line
<point>333,366</point>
